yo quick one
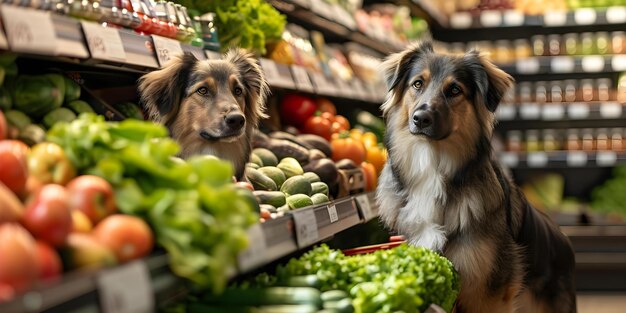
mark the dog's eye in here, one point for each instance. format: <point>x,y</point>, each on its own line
<point>455,90</point>
<point>202,91</point>
<point>417,84</point>
<point>238,91</point>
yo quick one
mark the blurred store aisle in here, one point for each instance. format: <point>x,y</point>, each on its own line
<point>601,302</point>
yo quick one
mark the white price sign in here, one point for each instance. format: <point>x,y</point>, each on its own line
<point>255,254</point>
<point>585,16</point>
<point>555,18</point>
<point>510,159</point>
<point>576,158</point>
<point>611,110</point>
<point>461,20</point>
<point>306,227</point>
<point>490,18</point>
<point>606,158</point>
<point>616,15</point>
<point>104,42</point>
<point>332,213</point>
<point>166,49</point>
<point>528,66</point>
<point>29,30</point>
<point>301,78</point>
<point>506,112</point>
<point>578,110</point>
<point>530,111</point>
<point>618,62</point>
<point>126,289</point>
<point>593,63</point>
<point>513,18</point>
<point>363,202</point>
<point>553,112</point>
<point>563,64</point>
<point>537,159</point>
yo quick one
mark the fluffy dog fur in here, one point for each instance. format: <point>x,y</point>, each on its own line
<point>442,189</point>
<point>210,107</point>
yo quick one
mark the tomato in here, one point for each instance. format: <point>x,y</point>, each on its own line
<point>377,155</point>
<point>369,139</point>
<point>265,214</point>
<point>49,163</point>
<point>336,128</point>
<point>318,125</point>
<point>4,127</point>
<point>356,134</point>
<point>48,215</point>
<point>80,222</point>
<point>48,261</point>
<point>370,176</point>
<point>325,105</point>
<point>345,124</point>
<point>328,116</point>
<point>18,263</point>
<point>348,148</point>
<point>93,196</point>
<point>295,109</point>
<point>129,237</point>
<point>14,165</point>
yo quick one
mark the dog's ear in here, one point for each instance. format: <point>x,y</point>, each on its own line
<point>253,80</point>
<point>397,67</point>
<point>162,91</point>
<point>494,85</point>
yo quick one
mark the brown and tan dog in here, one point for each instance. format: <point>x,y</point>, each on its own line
<point>443,189</point>
<point>210,107</point>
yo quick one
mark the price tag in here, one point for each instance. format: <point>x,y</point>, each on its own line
<point>553,111</point>
<point>332,213</point>
<point>530,111</point>
<point>166,49</point>
<point>611,110</point>
<point>29,30</point>
<point>343,17</point>
<point>513,18</point>
<point>585,16</point>
<point>506,112</point>
<point>212,55</point>
<point>510,159</point>
<point>301,78</point>
<point>344,88</point>
<point>322,8</point>
<point>578,110</point>
<point>126,289</point>
<point>555,18</point>
<point>363,202</point>
<point>593,63</point>
<point>255,254</point>
<point>306,227</point>
<point>527,66</point>
<point>322,86</point>
<point>537,159</point>
<point>616,15</point>
<point>461,20</point>
<point>359,91</point>
<point>576,158</point>
<point>618,62</point>
<point>490,18</point>
<point>104,43</point>
<point>562,64</point>
<point>270,69</point>
<point>606,158</point>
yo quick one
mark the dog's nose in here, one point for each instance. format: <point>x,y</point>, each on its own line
<point>423,118</point>
<point>235,120</point>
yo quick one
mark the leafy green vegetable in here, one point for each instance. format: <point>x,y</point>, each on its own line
<point>248,24</point>
<point>610,196</point>
<point>197,214</point>
<point>404,279</point>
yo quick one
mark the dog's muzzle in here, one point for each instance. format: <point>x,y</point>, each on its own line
<point>423,123</point>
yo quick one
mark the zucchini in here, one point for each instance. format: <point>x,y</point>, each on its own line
<point>72,90</point>
<point>267,157</point>
<point>290,166</point>
<point>253,165</point>
<point>334,295</point>
<point>274,173</point>
<point>267,296</point>
<point>319,187</point>
<point>299,201</point>
<point>260,181</point>
<point>274,198</point>
<point>32,135</point>
<point>319,198</point>
<point>296,185</point>
<point>312,177</point>
<point>341,306</point>
<point>284,148</point>
<point>303,281</point>
<point>256,160</point>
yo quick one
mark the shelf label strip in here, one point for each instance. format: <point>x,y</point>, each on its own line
<point>126,289</point>
<point>29,30</point>
<point>306,227</point>
<point>166,49</point>
<point>104,43</point>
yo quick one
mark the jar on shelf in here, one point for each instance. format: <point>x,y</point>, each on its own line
<point>533,144</point>
<point>587,44</point>
<point>570,44</point>
<point>621,89</point>
<point>618,139</point>
<point>588,141</point>
<point>550,140</point>
<point>603,142</point>
<point>556,91</point>
<point>524,92</point>
<point>539,45</point>
<point>522,49</point>
<point>604,89</point>
<point>569,90</point>
<point>573,142</point>
<point>503,53</point>
<point>541,92</point>
<point>587,90</point>
<point>514,141</point>
<point>603,43</point>
<point>554,44</point>
<point>618,42</point>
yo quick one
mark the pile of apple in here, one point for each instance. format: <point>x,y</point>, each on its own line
<point>53,221</point>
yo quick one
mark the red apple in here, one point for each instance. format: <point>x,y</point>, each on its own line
<point>48,261</point>
<point>48,215</point>
<point>93,196</point>
<point>18,261</point>
<point>14,165</point>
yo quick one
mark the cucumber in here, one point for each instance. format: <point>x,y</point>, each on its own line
<point>274,173</point>
<point>259,181</point>
<point>303,281</point>
<point>334,295</point>
<point>319,198</point>
<point>319,187</point>
<point>129,110</point>
<point>79,106</point>
<point>72,90</point>
<point>32,135</point>
<point>58,115</point>
<point>17,119</point>
<point>296,185</point>
<point>341,306</point>
<point>312,177</point>
<point>299,201</point>
<point>290,166</point>
<point>267,296</point>
<point>274,198</point>
<point>256,160</point>
<point>267,156</point>
<point>253,165</point>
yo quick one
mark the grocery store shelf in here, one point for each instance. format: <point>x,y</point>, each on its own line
<point>562,159</point>
<point>562,112</point>
<point>588,64</point>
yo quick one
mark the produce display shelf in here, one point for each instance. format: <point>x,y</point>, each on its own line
<point>588,64</point>
<point>332,22</point>
<point>150,280</point>
<point>561,111</point>
<point>562,159</point>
